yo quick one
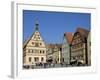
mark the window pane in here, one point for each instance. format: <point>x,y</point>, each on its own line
<point>42,59</point>
<point>29,59</point>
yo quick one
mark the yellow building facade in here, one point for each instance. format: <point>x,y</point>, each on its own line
<point>57,54</point>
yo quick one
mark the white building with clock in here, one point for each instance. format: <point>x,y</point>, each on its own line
<point>34,49</point>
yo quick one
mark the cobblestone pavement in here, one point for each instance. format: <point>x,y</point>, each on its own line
<point>44,66</point>
<point>48,66</point>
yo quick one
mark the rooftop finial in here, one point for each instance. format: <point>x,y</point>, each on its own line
<point>36,24</point>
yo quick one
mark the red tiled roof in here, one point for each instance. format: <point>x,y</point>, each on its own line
<point>51,45</point>
<point>68,36</point>
<point>54,45</point>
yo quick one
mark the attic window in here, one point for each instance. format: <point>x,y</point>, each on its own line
<point>32,43</point>
<point>40,43</point>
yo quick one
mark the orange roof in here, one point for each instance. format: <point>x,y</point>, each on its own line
<point>51,45</point>
<point>54,45</point>
<point>68,36</point>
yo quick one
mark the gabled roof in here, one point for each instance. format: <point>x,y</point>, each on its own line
<point>36,29</point>
<point>25,42</point>
<point>68,36</point>
<point>83,32</point>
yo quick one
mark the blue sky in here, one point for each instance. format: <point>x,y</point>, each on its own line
<point>52,25</point>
